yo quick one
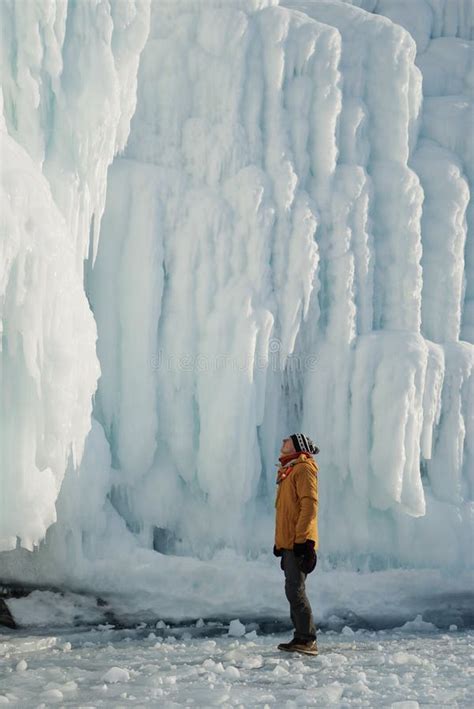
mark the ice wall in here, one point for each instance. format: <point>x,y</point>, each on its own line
<point>285,245</point>
<point>289,269</point>
<point>48,367</point>
<point>209,221</point>
<point>400,384</point>
<point>68,75</point>
<point>443,31</point>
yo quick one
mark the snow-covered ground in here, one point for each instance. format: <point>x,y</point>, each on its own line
<point>407,667</point>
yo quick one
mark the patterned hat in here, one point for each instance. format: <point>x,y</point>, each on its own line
<point>303,443</point>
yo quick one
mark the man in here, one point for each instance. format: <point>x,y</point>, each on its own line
<point>296,534</point>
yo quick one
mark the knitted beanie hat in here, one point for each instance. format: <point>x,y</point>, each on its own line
<point>303,443</point>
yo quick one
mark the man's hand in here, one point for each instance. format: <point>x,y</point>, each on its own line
<point>300,549</point>
<point>305,555</point>
<point>277,552</point>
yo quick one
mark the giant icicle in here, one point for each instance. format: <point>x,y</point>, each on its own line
<point>68,76</point>
<point>228,201</point>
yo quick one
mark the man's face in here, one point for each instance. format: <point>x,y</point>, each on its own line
<point>287,447</point>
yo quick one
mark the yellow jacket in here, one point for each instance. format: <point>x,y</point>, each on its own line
<point>297,504</point>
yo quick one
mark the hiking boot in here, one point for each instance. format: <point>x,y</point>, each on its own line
<point>306,647</point>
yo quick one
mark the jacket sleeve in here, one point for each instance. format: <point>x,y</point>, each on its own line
<point>307,491</point>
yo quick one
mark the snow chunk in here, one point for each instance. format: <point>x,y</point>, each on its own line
<point>280,671</point>
<point>53,695</point>
<point>418,625</point>
<point>253,662</point>
<point>334,659</point>
<point>116,674</point>
<point>236,628</point>
<point>322,696</point>
<point>232,672</point>
<point>212,666</point>
<point>21,666</point>
<point>405,658</point>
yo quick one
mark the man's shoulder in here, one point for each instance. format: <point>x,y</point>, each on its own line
<point>305,465</point>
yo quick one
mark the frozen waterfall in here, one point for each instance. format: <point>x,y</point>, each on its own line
<point>223,222</point>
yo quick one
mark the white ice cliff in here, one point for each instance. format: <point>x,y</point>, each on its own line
<point>68,75</point>
<point>263,215</point>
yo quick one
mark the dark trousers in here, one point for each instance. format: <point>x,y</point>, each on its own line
<point>300,609</point>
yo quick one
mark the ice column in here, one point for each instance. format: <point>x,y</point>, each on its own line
<point>432,378</point>
<point>371,287</point>
<point>48,367</point>
<point>68,75</point>
<point>70,95</point>
<point>235,106</point>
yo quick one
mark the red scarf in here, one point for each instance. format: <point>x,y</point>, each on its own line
<point>284,459</point>
<point>284,470</point>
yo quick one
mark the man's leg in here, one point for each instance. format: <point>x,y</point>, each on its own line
<point>300,608</point>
